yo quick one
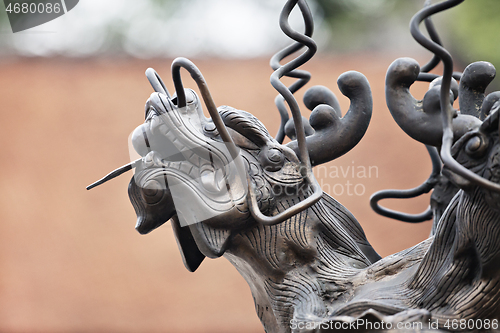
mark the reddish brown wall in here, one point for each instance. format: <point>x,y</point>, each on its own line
<point>70,260</point>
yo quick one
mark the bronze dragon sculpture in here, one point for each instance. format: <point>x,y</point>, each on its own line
<point>230,189</point>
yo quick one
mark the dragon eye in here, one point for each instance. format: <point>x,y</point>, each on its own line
<point>272,159</point>
<point>475,146</point>
<point>274,155</point>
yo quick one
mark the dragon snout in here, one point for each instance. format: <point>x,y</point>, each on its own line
<point>163,116</point>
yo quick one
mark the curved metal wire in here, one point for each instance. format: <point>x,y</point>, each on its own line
<point>287,68</point>
<point>424,74</point>
<point>289,212</point>
<point>156,82</point>
<point>431,30</point>
<point>181,62</point>
<point>428,185</point>
<point>446,109</point>
<point>158,86</point>
<point>431,182</point>
<point>305,163</point>
<point>302,75</point>
<point>429,77</point>
<point>115,173</point>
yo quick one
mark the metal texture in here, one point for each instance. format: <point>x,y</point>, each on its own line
<point>426,187</point>
<point>306,259</point>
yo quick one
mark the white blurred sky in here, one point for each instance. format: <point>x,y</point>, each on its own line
<point>199,28</point>
<point>222,28</point>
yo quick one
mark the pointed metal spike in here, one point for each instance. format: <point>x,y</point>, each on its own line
<point>114,174</point>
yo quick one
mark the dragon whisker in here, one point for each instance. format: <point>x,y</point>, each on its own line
<point>114,174</point>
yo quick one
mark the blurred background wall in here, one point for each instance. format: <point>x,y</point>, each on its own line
<point>73,89</point>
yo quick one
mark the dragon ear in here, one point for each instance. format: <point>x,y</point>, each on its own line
<point>245,124</point>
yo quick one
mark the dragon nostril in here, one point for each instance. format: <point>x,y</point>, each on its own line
<point>140,141</point>
<point>149,157</point>
<point>210,127</point>
<point>190,97</point>
<point>151,188</point>
<point>152,191</point>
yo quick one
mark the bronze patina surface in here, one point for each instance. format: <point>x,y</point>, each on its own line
<point>231,189</point>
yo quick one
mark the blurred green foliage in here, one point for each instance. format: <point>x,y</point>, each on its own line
<point>475,28</point>
<point>4,20</point>
<point>470,31</point>
<point>361,24</point>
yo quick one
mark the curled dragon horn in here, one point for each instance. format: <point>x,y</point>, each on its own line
<point>420,122</point>
<point>335,136</point>
<point>473,83</point>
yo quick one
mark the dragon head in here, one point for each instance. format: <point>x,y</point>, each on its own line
<point>215,176</point>
<point>187,169</point>
<point>468,138</point>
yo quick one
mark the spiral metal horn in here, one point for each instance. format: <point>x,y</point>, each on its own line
<point>287,94</point>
